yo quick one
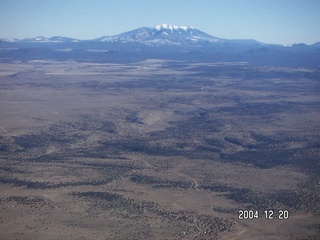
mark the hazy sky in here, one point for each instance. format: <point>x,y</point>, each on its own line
<point>269,21</point>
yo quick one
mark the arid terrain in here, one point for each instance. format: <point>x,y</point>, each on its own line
<point>158,150</point>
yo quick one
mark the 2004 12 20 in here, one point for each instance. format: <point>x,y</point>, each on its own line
<point>266,214</point>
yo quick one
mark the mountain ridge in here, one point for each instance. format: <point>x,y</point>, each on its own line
<point>162,34</point>
<point>169,42</point>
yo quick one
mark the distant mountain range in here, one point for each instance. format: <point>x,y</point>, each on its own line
<point>163,34</point>
<point>162,41</point>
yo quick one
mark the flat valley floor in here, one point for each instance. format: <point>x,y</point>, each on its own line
<point>158,150</point>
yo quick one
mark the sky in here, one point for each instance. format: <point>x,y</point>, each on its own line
<point>268,21</point>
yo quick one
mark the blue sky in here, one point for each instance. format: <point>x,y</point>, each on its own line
<point>269,21</point>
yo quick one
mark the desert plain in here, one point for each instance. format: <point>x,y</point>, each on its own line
<point>158,149</point>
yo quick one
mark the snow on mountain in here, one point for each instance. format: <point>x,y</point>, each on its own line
<point>63,39</point>
<point>163,34</point>
<point>41,39</point>
<point>9,40</point>
<point>171,27</point>
<point>160,35</point>
<point>36,39</point>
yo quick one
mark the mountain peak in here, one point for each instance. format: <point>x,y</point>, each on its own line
<point>163,34</point>
<point>171,27</point>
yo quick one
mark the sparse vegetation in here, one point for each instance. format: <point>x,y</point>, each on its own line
<point>157,149</point>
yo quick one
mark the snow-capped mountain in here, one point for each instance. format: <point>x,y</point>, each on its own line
<point>160,42</point>
<point>63,39</point>
<point>41,39</point>
<point>9,40</point>
<point>162,34</point>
